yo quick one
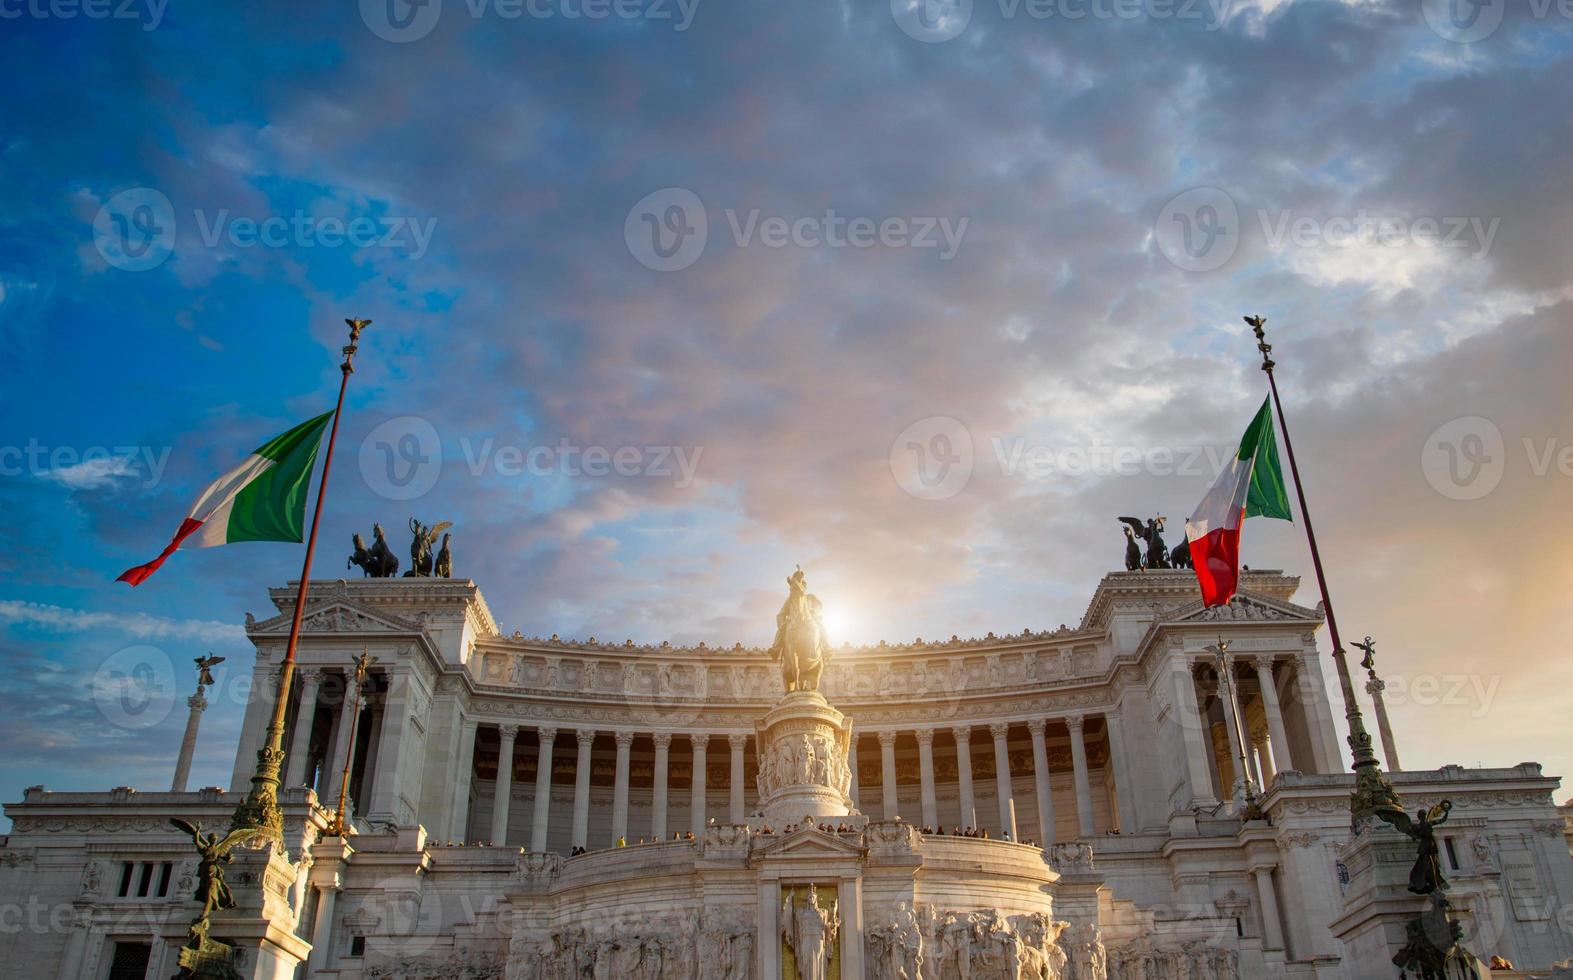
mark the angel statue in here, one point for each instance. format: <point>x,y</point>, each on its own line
<point>800,642</point>
<point>420,547</point>
<point>1152,534</point>
<point>205,667</point>
<point>212,891</point>
<point>1426,876</point>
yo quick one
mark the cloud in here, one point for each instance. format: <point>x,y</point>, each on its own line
<point>140,625</point>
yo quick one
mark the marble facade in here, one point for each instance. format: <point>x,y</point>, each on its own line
<point>1099,759</point>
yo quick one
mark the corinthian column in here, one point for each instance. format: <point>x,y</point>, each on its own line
<point>188,742</point>
<point>887,774</point>
<point>543,790</point>
<point>663,745</point>
<point>1002,785</point>
<point>926,776</point>
<point>738,744</point>
<point>300,745</point>
<point>1278,735</point>
<point>1083,785</point>
<point>625,741</point>
<point>1037,728</point>
<point>581,789</point>
<point>969,806</point>
<point>1374,687</point>
<point>696,796</point>
<point>504,791</point>
<point>852,764</point>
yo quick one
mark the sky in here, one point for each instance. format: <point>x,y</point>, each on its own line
<point>669,297</point>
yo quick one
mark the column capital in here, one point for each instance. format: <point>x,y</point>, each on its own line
<point>312,675</point>
<point>1000,730</point>
<point>197,703</point>
<point>624,739</point>
<point>546,734</point>
<point>1263,663</point>
<point>962,733</point>
<point>585,736</point>
<point>508,732</point>
<point>1036,727</point>
<point>739,743</point>
<point>700,741</point>
<point>925,737</point>
<point>662,740</point>
<point>1374,686</point>
<point>1075,723</point>
<point>887,740</point>
<point>1260,736</point>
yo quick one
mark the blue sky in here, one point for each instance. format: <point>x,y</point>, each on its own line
<point>753,253</point>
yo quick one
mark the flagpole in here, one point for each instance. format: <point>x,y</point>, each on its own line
<point>1373,795</point>
<point>260,811</point>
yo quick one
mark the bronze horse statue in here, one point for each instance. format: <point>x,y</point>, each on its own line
<point>378,561</point>
<point>800,642</point>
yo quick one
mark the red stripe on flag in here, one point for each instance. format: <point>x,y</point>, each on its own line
<point>136,576</point>
<point>1216,556</point>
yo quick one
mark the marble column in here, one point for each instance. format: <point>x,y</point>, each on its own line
<point>625,742</point>
<point>1002,781</point>
<point>390,748</point>
<point>349,718</point>
<point>581,789</point>
<point>331,763</point>
<point>459,824</point>
<point>253,731</point>
<point>1192,730</point>
<point>1083,786</point>
<point>322,928</point>
<point>542,807</point>
<point>969,806</point>
<point>850,899</point>
<point>504,788</point>
<point>852,764</point>
<point>1261,744</point>
<point>738,744</point>
<point>663,746</point>
<point>1038,728</point>
<point>188,742</point>
<point>1278,734</point>
<point>1374,687</point>
<point>305,714</point>
<point>1234,736</point>
<point>1272,924</point>
<point>1317,708</point>
<point>926,777</point>
<point>887,775</point>
<point>1120,763</point>
<point>696,797</point>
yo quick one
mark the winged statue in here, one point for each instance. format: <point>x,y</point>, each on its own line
<point>421,546</point>
<point>1150,532</point>
<point>1426,876</point>
<point>213,853</point>
<point>205,667</point>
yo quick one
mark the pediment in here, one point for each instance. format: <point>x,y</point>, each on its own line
<point>336,616</point>
<point>1246,607</point>
<point>810,843</point>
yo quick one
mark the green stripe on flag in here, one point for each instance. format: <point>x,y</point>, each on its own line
<point>273,506</point>
<point>1268,495</point>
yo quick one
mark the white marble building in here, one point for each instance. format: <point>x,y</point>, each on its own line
<point>1098,758</point>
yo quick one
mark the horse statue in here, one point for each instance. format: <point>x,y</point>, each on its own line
<point>420,547</point>
<point>800,642</point>
<point>444,565</point>
<point>378,561</point>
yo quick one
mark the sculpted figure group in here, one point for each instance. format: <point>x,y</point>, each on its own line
<point>804,760</point>
<point>652,948</point>
<point>379,561</point>
<point>930,944</point>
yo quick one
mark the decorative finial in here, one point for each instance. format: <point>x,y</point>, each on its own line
<point>1259,325</point>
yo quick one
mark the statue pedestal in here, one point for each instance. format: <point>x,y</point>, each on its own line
<point>803,772</point>
<point>261,927</point>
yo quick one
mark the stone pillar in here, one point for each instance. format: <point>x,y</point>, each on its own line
<point>738,744</point>
<point>887,775</point>
<point>331,762</point>
<point>1232,733</point>
<point>969,806</point>
<point>504,794</point>
<point>1272,925</point>
<point>850,899</point>
<point>188,742</point>
<point>253,731</point>
<point>625,742</point>
<point>322,928</point>
<point>300,742</point>
<point>1275,718</point>
<point>767,945</point>
<point>1120,763</point>
<point>158,952</point>
<point>1083,787</point>
<point>349,717</point>
<point>1192,729</point>
<point>581,789</point>
<point>696,798</point>
<point>1317,707</point>
<point>1261,743</point>
<point>543,789</point>
<point>1375,687</point>
<point>459,826</point>
<point>390,748</point>
<point>1037,728</point>
<point>663,745</point>
<point>1002,782</point>
<point>926,777</point>
<point>852,764</point>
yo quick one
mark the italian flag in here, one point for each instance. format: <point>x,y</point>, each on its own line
<point>1252,485</point>
<point>262,499</point>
